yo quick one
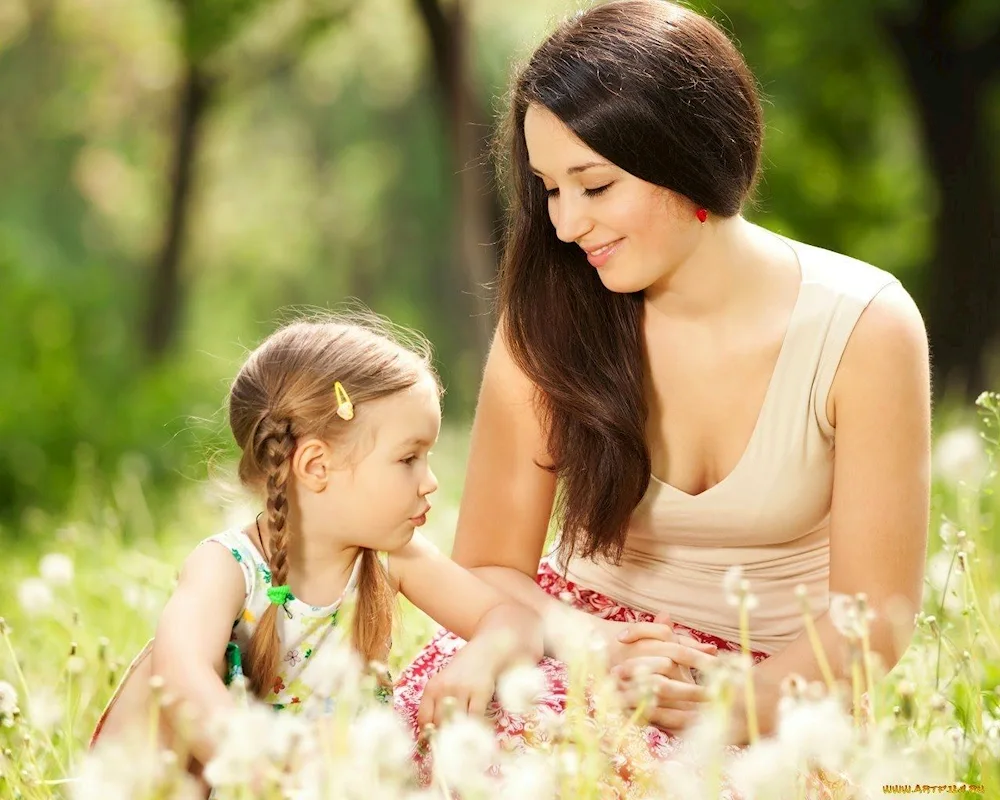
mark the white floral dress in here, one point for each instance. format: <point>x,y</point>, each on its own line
<point>303,631</point>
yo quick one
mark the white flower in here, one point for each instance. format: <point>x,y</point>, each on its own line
<point>464,749</point>
<point>959,456</point>
<point>520,688</point>
<point>336,670</point>
<point>121,769</point>
<point>141,598</point>
<point>8,702</point>
<point>56,569</point>
<point>678,780</point>
<point>938,568</point>
<point>763,770</point>
<point>381,740</point>
<point>815,732</point>
<point>243,737</point>
<point>848,615</point>
<point>731,584</point>
<point>45,711</point>
<point>530,778</point>
<point>35,596</point>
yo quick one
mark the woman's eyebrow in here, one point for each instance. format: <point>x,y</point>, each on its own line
<point>574,169</point>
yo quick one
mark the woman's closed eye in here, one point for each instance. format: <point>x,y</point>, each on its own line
<point>596,192</point>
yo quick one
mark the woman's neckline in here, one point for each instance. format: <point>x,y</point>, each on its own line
<point>768,393</point>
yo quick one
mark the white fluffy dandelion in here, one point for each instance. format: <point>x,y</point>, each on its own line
<point>815,732</point>
<point>56,569</point>
<point>731,582</point>
<point>520,688</point>
<point>464,748</point>
<point>35,596</point>
<point>8,703</point>
<point>960,457</point>
<point>531,778</point>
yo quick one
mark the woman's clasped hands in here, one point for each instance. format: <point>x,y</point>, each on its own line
<point>653,667</point>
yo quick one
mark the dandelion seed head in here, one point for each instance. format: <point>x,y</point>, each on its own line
<point>35,596</point>
<point>56,569</point>
<point>8,701</point>
<point>959,456</point>
<point>463,750</point>
<point>520,688</point>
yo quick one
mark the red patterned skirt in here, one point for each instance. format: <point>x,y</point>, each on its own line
<point>510,729</point>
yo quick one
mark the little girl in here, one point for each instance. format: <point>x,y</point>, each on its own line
<point>335,422</point>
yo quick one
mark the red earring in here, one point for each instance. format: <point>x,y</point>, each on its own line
<point>701,214</point>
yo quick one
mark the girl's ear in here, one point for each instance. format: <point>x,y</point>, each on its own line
<point>310,464</point>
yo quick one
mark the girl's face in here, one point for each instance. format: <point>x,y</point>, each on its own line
<point>633,232</point>
<point>378,501</point>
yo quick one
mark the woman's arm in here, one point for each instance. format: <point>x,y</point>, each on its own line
<point>190,643</point>
<point>880,404</point>
<point>507,499</point>
<point>506,505</point>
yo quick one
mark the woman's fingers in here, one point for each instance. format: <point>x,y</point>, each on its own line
<point>669,692</point>
<point>650,665</point>
<point>672,720</point>
<point>705,647</point>
<point>646,630</point>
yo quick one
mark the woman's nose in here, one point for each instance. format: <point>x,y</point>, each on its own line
<point>569,222</point>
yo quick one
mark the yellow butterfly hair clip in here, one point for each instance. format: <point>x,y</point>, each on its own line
<point>345,408</point>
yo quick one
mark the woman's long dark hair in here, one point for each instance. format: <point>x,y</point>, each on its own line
<point>662,93</point>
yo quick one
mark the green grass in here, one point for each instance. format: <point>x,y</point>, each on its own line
<point>64,660</point>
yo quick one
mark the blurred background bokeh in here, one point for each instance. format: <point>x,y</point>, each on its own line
<point>176,175</point>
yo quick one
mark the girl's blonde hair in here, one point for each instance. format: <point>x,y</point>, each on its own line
<point>285,391</point>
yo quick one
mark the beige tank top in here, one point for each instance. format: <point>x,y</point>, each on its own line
<point>771,514</point>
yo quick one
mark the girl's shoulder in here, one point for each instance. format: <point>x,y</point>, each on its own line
<point>245,554</point>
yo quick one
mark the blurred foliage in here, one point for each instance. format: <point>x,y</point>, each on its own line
<point>323,174</point>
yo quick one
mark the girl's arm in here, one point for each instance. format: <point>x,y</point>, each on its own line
<point>461,602</point>
<point>190,644</point>
<point>500,631</point>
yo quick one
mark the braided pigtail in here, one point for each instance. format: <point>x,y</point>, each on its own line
<point>373,611</point>
<point>273,451</point>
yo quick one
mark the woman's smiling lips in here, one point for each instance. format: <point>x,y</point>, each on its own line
<point>599,256</point>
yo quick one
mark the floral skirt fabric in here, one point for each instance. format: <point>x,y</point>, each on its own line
<point>515,732</point>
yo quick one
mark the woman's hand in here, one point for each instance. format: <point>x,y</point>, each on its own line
<point>630,640</point>
<point>653,666</point>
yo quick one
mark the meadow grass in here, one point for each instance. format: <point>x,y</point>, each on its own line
<point>81,593</point>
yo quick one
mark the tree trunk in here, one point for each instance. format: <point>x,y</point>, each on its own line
<point>165,289</point>
<point>950,85</point>
<point>475,200</point>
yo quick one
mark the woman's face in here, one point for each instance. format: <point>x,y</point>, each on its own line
<point>633,232</point>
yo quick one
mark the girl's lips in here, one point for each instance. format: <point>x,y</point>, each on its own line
<point>605,254</point>
<point>418,521</point>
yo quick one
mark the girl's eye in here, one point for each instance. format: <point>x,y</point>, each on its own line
<point>551,192</point>
<point>409,460</point>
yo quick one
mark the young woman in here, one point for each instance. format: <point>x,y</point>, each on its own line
<point>704,393</point>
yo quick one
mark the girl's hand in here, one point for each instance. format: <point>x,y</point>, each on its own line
<point>469,681</point>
